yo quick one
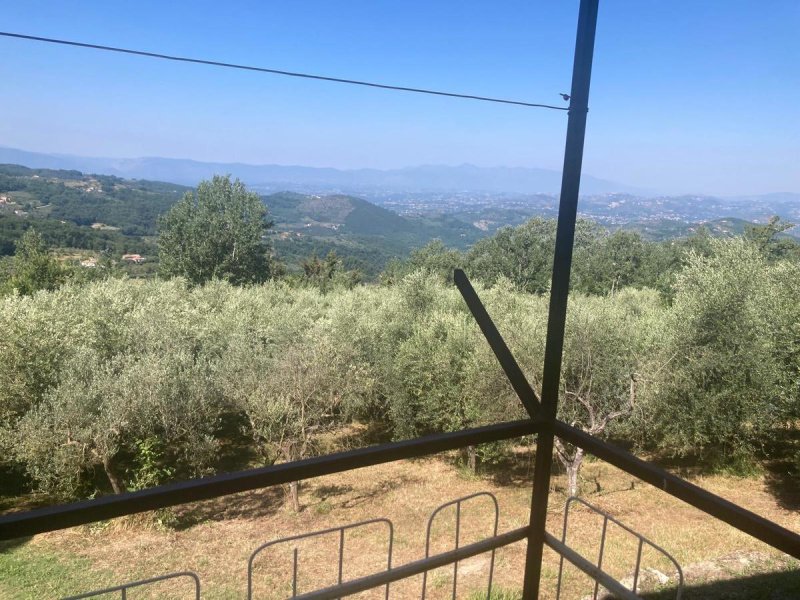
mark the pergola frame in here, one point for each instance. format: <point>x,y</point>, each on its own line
<point>542,421</point>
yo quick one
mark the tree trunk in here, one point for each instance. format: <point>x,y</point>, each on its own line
<point>294,495</point>
<point>573,468</point>
<point>292,453</point>
<point>116,483</point>
<point>472,459</point>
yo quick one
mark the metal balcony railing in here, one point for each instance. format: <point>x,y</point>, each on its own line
<point>384,578</point>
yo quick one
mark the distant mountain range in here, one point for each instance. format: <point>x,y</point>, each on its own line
<point>273,178</point>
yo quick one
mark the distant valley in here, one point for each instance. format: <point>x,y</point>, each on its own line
<point>656,217</point>
<point>93,213</point>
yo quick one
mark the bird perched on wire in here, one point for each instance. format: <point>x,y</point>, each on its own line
<point>565,97</point>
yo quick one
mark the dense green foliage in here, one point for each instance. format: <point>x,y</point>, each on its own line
<point>730,352</point>
<point>133,206</point>
<point>33,268</point>
<point>216,233</point>
<point>688,347</point>
<point>118,363</point>
<point>120,384</point>
<point>603,261</point>
<point>328,273</point>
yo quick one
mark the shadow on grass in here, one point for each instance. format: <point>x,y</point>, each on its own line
<point>9,545</point>
<point>783,471</point>
<point>770,586</point>
<point>778,461</point>
<point>513,472</point>
<point>384,486</point>
<point>258,503</point>
<point>783,481</point>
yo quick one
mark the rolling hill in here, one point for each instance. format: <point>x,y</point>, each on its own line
<point>105,212</point>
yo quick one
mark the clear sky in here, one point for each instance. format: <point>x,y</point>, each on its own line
<point>687,95</point>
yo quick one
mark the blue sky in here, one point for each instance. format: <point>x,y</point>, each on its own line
<point>688,96</point>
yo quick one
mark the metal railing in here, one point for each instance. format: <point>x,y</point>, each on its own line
<point>458,503</point>
<point>123,588</point>
<point>314,534</point>
<point>604,531</point>
<point>384,578</point>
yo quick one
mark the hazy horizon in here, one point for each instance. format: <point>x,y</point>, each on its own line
<point>686,98</point>
<point>624,187</point>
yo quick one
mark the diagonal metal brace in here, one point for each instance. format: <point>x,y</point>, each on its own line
<point>498,345</point>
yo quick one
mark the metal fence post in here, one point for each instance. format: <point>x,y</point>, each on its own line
<point>562,261</point>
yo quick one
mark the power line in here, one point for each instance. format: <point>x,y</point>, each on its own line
<point>215,63</point>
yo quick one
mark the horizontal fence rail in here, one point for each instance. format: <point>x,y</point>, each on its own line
<point>742,519</point>
<point>52,518</point>
<point>355,586</point>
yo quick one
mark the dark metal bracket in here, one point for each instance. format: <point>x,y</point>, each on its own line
<point>528,397</point>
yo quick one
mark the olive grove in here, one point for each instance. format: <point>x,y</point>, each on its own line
<point>115,385</point>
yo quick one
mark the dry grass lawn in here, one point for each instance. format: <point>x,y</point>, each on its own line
<point>215,538</point>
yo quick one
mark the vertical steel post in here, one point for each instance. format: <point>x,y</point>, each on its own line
<point>562,261</point>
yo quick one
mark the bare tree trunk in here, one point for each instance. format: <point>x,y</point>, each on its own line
<point>573,469</point>
<point>294,495</point>
<point>116,483</point>
<point>290,453</point>
<point>572,465</point>
<point>472,458</point>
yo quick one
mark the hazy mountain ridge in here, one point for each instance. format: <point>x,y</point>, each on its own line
<point>272,178</point>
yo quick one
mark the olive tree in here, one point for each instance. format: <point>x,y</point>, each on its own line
<point>730,336</point>
<point>524,254</point>
<point>216,232</point>
<point>444,376</point>
<point>605,350</point>
<point>290,398</point>
<point>103,410</point>
<point>433,257</point>
<point>33,267</point>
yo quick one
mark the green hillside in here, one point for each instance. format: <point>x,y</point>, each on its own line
<point>366,236</point>
<point>337,213</point>
<point>99,213</point>
<point>132,206</point>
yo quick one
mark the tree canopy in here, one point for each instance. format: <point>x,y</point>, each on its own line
<point>33,267</point>
<point>216,233</point>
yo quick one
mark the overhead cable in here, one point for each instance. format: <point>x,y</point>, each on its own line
<point>216,63</point>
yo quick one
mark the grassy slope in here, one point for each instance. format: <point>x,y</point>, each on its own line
<point>29,572</point>
<point>216,537</point>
